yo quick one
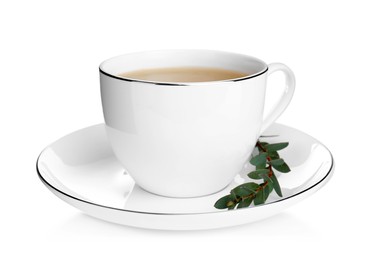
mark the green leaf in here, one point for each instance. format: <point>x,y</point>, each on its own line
<point>250,186</point>
<point>276,162</point>
<point>245,203</point>
<point>259,159</point>
<point>263,145</point>
<point>282,168</point>
<point>276,147</point>
<point>241,192</point>
<point>270,186</point>
<point>274,155</point>
<point>231,207</point>
<point>276,185</point>
<point>260,197</point>
<point>257,174</point>
<point>245,189</point>
<point>267,161</point>
<point>232,195</point>
<point>268,190</point>
<point>261,166</point>
<point>269,183</point>
<point>222,202</point>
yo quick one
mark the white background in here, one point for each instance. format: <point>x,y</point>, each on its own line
<point>50,52</point>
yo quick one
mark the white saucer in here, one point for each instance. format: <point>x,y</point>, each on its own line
<point>81,169</point>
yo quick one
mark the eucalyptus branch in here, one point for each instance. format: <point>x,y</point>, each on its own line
<point>266,161</point>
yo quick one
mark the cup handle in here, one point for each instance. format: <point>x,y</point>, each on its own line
<point>285,99</point>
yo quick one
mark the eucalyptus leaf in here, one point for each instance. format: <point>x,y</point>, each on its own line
<point>260,197</point>
<point>274,155</point>
<point>245,189</point>
<point>270,187</point>
<point>276,162</point>
<point>241,192</point>
<point>259,159</point>
<point>266,162</point>
<point>262,144</point>
<point>268,190</point>
<point>257,174</point>
<point>276,185</point>
<point>232,195</point>
<point>222,202</point>
<point>231,207</point>
<point>260,149</point>
<point>250,186</point>
<point>276,147</point>
<point>282,168</point>
<point>261,166</point>
<point>245,203</point>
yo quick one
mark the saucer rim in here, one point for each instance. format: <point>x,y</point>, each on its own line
<point>328,174</point>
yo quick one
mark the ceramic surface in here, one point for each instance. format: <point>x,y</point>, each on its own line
<point>82,170</point>
<point>168,135</point>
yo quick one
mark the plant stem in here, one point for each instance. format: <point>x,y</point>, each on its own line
<point>258,144</point>
<point>268,176</point>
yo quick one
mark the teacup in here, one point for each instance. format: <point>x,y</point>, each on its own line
<point>187,139</point>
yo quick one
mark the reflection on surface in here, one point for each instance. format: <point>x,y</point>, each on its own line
<point>84,146</point>
<point>141,200</point>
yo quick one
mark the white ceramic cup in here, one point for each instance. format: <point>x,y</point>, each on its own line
<point>187,139</point>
